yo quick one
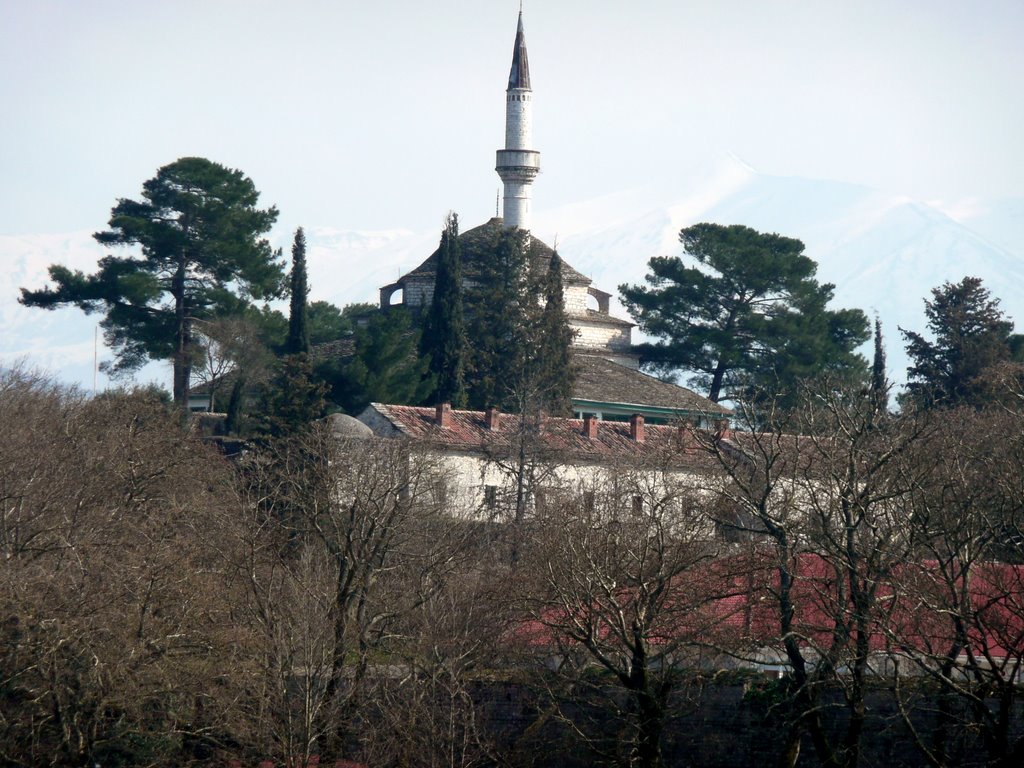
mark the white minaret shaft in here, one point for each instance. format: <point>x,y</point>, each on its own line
<point>517,164</point>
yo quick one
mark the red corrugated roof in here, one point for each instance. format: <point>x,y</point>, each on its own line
<point>920,620</point>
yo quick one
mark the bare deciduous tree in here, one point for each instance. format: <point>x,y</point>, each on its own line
<point>829,504</point>
<point>627,580</point>
<point>364,511</point>
<point>959,627</point>
<point>109,584</point>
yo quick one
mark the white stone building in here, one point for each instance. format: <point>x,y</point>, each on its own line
<point>486,457</point>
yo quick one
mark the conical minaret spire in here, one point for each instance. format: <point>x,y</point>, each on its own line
<point>518,164</point>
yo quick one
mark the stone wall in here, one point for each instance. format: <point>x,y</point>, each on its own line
<point>576,298</point>
<point>592,335</point>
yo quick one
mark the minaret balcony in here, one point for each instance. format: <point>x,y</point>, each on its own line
<point>526,159</point>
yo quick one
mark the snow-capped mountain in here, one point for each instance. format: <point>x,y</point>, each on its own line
<point>884,253</point>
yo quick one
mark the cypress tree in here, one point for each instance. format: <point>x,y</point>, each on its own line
<point>497,310</point>
<point>521,356</point>
<point>552,370</point>
<point>298,315</point>
<point>880,382</point>
<point>444,334</point>
<point>296,395</point>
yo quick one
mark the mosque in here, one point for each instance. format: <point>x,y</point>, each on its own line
<point>609,384</point>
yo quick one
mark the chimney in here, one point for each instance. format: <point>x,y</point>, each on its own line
<point>590,426</point>
<point>722,431</point>
<point>636,427</point>
<point>492,419</point>
<point>443,415</point>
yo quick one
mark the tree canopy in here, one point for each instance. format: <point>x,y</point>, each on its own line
<point>496,309</point>
<point>294,398</point>
<point>520,354</point>
<point>384,367</point>
<point>327,322</point>
<point>550,367</point>
<point>746,317</point>
<point>203,256</point>
<point>971,334</point>
<point>444,333</point>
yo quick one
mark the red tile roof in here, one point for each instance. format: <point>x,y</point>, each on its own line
<point>468,431</point>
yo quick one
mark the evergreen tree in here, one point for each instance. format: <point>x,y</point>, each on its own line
<point>551,370</point>
<point>203,256</point>
<point>749,319</point>
<point>385,366</point>
<point>444,333</point>
<point>521,356</point>
<point>879,379</point>
<point>970,334</point>
<point>497,311</point>
<point>295,397</point>
<point>298,315</point>
<point>326,322</point>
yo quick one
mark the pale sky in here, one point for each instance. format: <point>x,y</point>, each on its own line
<point>386,114</point>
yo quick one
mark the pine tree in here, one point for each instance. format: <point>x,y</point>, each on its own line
<point>748,318</point>
<point>298,316</point>
<point>444,334</point>
<point>971,334</point>
<point>203,256</point>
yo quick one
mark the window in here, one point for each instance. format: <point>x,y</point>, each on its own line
<point>588,501</point>
<point>490,496</point>
<point>439,492</point>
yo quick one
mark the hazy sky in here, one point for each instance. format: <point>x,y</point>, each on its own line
<point>368,115</point>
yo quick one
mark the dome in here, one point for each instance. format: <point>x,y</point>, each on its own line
<point>478,244</point>
<point>346,427</point>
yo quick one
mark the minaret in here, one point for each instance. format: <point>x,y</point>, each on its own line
<point>517,164</point>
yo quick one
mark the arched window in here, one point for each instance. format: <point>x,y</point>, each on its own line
<point>391,295</point>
